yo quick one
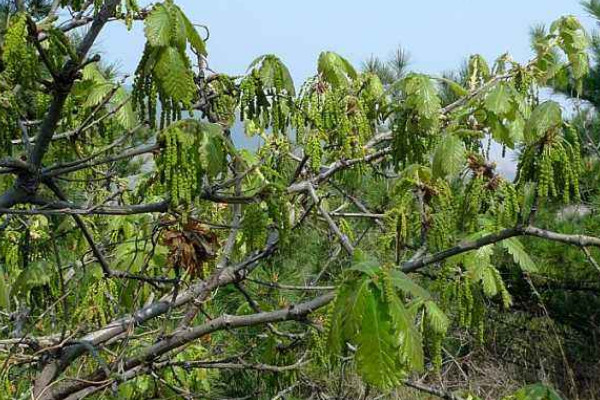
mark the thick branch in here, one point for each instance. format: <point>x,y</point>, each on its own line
<point>183,337</point>
<point>84,164</point>
<point>463,247</point>
<point>433,391</point>
<point>67,77</point>
<point>197,292</point>
<point>66,208</point>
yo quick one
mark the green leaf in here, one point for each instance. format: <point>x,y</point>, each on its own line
<point>129,258</point>
<point>480,269</point>
<point>515,130</point>
<point>449,156</point>
<point>478,70</point>
<point>335,69</point>
<point>545,117</point>
<point>404,333</point>
<point>488,280</point>
<point>516,249</point>
<point>4,293</point>
<point>172,69</point>
<point>213,154</point>
<point>158,26</point>
<point>124,114</point>
<point>500,131</point>
<point>455,87</point>
<point>536,391</point>
<point>405,284</point>
<point>193,37</point>
<point>271,69</point>
<point>417,173</point>
<point>355,309</point>
<point>97,94</point>
<point>574,42</point>
<point>365,264</point>
<point>92,73</point>
<point>436,318</point>
<point>498,100</point>
<point>375,356</point>
<point>336,340</point>
<point>421,96</point>
<point>373,86</point>
<point>35,275</point>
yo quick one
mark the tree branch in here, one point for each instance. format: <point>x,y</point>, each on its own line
<point>463,247</point>
<point>197,292</point>
<point>183,337</point>
<point>65,81</point>
<point>343,238</point>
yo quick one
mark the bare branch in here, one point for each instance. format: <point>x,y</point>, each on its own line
<point>197,292</point>
<point>463,247</point>
<point>430,390</point>
<point>357,215</point>
<point>66,208</point>
<point>230,365</point>
<point>183,337</point>
<point>332,225</point>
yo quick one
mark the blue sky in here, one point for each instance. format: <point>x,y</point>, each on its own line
<point>439,34</point>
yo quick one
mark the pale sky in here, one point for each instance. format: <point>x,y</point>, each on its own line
<point>439,34</point>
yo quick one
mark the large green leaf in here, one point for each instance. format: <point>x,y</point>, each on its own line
<point>498,99</point>
<point>480,269</point>
<point>193,37</point>
<point>95,87</point>
<point>449,156</point>
<point>97,93</point>
<point>365,264</point>
<point>488,280</point>
<point>377,361</point>
<point>515,130</point>
<point>124,111</point>
<point>128,257</point>
<point>499,130</point>
<point>404,332</point>
<point>336,341</point>
<point>406,285</point>
<point>91,73</point>
<point>158,26</point>
<point>335,69</point>
<point>516,249</point>
<point>369,313</point>
<point>574,42</point>
<point>356,308</point>
<point>213,154</point>
<point>545,117</point>
<point>455,87</point>
<point>421,95</point>
<point>176,78</point>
